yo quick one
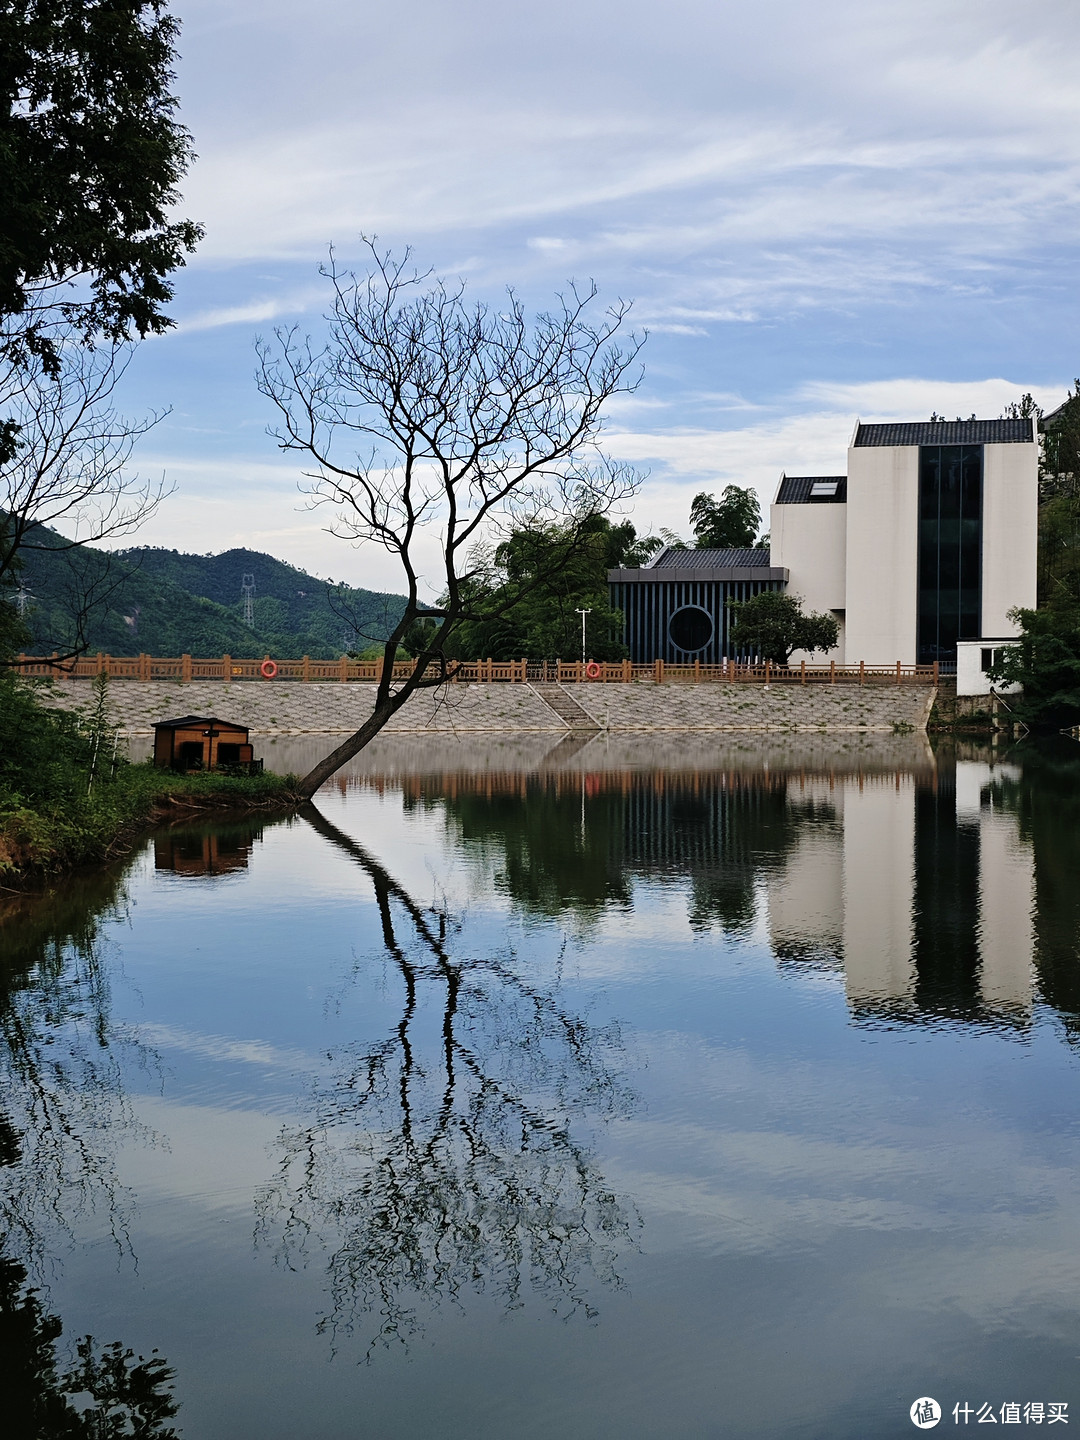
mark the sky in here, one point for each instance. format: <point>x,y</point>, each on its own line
<point>856,209</point>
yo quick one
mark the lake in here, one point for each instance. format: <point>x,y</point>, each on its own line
<point>596,1089</point>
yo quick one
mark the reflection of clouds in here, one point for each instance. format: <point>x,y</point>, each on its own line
<point>802,1155</point>
<point>215,1160</point>
<point>226,1048</point>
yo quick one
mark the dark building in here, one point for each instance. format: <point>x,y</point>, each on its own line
<point>677,608</point>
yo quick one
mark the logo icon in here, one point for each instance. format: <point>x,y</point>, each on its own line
<point>925,1413</point>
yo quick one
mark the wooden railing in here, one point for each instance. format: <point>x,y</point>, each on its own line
<point>225,667</point>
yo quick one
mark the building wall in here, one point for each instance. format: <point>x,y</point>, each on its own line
<point>882,554</point>
<point>1010,534</point>
<point>810,542</point>
<point>649,603</point>
<point>971,678</point>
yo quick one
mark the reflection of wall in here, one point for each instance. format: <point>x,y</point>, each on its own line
<point>1006,912</point>
<point>879,871</point>
<point>805,893</point>
<point>925,891</point>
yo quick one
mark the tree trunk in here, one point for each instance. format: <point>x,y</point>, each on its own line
<point>386,707</point>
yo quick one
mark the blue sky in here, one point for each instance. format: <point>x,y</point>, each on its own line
<point>857,208</point>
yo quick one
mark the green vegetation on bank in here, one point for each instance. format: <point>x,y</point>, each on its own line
<point>1046,663</point>
<point>68,796</point>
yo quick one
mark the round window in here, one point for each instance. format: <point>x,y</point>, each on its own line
<point>690,628</point>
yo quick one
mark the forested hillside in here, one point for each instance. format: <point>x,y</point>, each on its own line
<point>163,602</point>
<point>291,608</point>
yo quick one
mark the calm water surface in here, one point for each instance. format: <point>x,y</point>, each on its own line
<point>730,1091</point>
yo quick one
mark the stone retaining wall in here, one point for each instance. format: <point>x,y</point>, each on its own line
<point>294,708</point>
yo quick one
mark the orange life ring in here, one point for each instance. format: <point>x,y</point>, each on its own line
<point>268,669</point>
<point>592,670</point>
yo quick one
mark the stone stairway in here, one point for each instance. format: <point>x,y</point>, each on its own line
<point>565,707</point>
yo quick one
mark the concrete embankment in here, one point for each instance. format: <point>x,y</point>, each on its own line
<point>295,708</point>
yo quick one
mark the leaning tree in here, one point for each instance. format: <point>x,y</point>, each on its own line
<point>438,427</point>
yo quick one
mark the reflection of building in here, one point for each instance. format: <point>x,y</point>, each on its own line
<point>929,539</point>
<point>217,851</point>
<point>925,892</point>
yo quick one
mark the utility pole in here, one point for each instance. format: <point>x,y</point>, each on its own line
<point>582,613</point>
<point>247,594</point>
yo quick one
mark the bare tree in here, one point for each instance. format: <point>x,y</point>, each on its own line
<point>67,467</point>
<point>439,426</point>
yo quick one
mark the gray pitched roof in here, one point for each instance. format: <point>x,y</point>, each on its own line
<point>746,558</point>
<point>947,432</point>
<point>799,490</point>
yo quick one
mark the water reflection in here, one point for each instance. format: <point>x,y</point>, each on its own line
<point>786,1168</point>
<point>217,847</point>
<point>64,1111</point>
<point>940,893</point>
<point>100,1391</point>
<point>64,1120</point>
<point>443,1159</point>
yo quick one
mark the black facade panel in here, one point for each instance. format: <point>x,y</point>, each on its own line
<point>661,618</point>
<point>950,549</point>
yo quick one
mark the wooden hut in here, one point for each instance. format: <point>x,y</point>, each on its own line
<point>203,742</point>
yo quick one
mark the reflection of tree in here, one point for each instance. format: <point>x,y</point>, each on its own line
<point>109,1392</point>
<point>63,1102</point>
<point>1047,802</point>
<point>571,842</point>
<point>557,840</point>
<point>450,1166</point>
<point>64,1110</point>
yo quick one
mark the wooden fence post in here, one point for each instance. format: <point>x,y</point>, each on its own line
<point>697,669</point>
<point>768,670</point>
<point>862,671</point>
<point>226,668</point>
<point>185,669</point>
<point>898,672</point>
<point>832,672</point>
<point>935,672</point>
<point>802,672</point>
<point>658,672</point>
<point>626,675</point>
<point>306,672</point>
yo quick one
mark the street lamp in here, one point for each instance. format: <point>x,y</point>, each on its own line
<point>582,613</point>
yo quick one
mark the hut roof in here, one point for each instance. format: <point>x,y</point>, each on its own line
<point>188,722</point>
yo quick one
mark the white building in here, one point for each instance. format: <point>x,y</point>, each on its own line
<point>929,539</point>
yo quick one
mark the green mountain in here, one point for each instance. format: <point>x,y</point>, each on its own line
<point>163,602</point>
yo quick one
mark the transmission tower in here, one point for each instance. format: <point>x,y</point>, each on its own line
<point>247,594</point>
<point>22,599</point>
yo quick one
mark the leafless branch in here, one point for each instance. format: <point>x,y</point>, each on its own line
<point>438,427</point>
<point>66,460</point>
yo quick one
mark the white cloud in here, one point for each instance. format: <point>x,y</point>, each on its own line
<point>252,312</point>
<point>811,441</point>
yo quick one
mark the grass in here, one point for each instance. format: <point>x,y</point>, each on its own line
<point>42,839</point>
<point>66,799</point>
